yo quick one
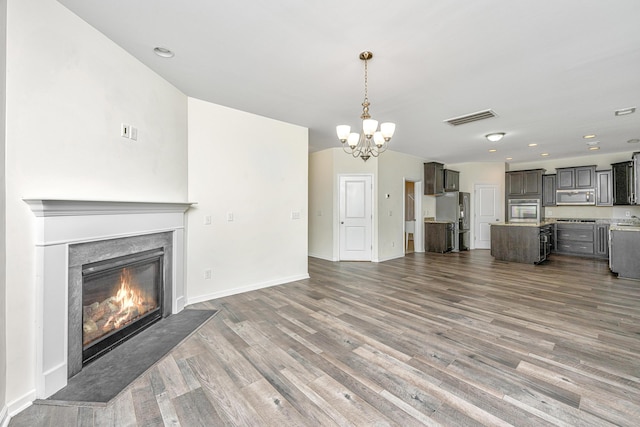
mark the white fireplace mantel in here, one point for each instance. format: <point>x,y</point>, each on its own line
<point>60,223</point>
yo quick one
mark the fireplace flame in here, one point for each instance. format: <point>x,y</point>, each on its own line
<point>130,301</point>
<point>128,304</point>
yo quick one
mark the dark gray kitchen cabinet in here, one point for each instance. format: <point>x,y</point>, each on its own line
<point>524,184</point>
<point>549,190</point>
<point>451,180</point>
<point>604,188</point>
<point>623,183</point>
<point>623,260</point>
<point>602,240</point>
<point>516,243</point>
<point>575,238</point>
<point>576,177</point>
<point>433,178</point>
<point>438,237</point>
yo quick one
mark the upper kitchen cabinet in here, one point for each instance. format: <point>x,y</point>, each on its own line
<point>623,183</point>
<point>527,183</point>
<point>548,190</point>
<point>433,178</point>
<point>451,180</point>
<point>576,177</point>
<point>604,188</point>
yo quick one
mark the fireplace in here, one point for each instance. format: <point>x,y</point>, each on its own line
<point>81,245</point>
<point>120,297</point>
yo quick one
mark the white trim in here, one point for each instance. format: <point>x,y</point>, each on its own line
<point>59,223</point>
<point>312,255</point>
<point>4,417</point>
<point>20,404</point>
<point>389,258</point>
<point>242,289</point>
<point>52,207</point>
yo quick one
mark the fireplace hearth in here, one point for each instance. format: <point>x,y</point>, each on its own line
<point>120,297</point>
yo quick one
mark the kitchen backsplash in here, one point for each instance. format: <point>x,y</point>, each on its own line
<point>618,212</point>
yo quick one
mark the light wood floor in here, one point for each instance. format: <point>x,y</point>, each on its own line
<point>428,339</point>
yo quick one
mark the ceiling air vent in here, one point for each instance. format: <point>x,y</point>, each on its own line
<point>473,117</point>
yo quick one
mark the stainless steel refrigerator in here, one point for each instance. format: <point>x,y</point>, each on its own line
<point>454,207</point>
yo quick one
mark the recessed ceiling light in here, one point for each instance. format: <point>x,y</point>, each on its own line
<point>544,154</point>
<point>495,137</point>
<point>625,111</point>
<point>493,150</point>
<point>593,148</point>
<point>163,52</point>
<point>593,135</point>
<point>533,144</point>
<point>633,141</point>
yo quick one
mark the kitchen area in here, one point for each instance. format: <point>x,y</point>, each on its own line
<point>530,234</point>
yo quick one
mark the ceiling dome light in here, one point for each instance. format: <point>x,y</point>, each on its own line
<point>533,144</point>
<point>495,137</point>
<point>590,136</point>
<point>163,52</point>
<point>594,148</point>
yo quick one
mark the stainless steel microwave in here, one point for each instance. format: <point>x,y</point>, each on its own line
<point>576,197</point>
<point>524,210</point>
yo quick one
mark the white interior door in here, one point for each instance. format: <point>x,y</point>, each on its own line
<point>487,202</point>
<point>356,222</point>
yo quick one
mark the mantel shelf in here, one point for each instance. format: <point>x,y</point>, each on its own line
<point>56,207</point>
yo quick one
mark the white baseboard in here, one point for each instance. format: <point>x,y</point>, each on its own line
<point>20,404</point>
<point>389,258</point>
<point>4,417</point>
<point>242,289</point>
<point>322,257</point>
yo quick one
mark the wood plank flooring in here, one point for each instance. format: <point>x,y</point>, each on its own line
<point>428,339</point>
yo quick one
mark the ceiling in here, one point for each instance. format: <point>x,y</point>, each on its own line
<point>551,70</point>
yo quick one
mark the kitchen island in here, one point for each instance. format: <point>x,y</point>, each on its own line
<point>524,242</point>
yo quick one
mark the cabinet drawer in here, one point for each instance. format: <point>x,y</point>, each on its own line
<point>580,235</point>
<point>575,247</point>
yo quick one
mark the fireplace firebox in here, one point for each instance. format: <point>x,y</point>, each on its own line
<point>120,297</point>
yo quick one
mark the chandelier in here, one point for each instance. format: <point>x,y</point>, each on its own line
<point>371,141</point>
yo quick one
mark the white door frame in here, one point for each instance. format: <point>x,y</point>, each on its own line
<point>498,211</point>
<point>418,241</point>
<point>368,224</point>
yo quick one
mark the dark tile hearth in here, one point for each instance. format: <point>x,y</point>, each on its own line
<point>104,379</point>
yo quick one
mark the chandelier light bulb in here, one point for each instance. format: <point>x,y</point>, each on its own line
<point>343,132</point>
<point>387,129</point>
<point>353,139</point>
<point>369,126</point>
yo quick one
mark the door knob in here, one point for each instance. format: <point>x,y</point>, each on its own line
<point>341,222</point>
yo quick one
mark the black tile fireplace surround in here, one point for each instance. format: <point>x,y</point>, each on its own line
<point>112,251</point>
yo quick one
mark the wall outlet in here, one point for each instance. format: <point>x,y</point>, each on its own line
<point>230,216</point>
<point>393,244</point>
<point>390,213</point>
<point>627,214</point>
<point>295,215</point>
<point>549,212</point>
<point>207,274</point>
<point>207,220</point>
<point>133,134</point>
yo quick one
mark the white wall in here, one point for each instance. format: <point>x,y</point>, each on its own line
<point>389,172</point>
<point>345,164</point>
<point>3,229</point>
<point>68,90</point>
<point>393,169</point>
<point>321,192</point>
<point>255,169</point>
